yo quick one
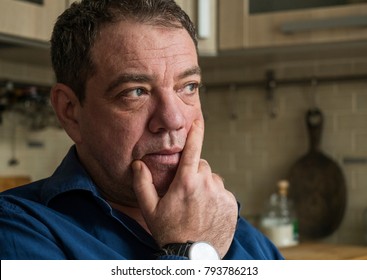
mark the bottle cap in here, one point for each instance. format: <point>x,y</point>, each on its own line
<point>283,187</point>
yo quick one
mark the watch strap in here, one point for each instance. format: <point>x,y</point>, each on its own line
<point>177,249</point>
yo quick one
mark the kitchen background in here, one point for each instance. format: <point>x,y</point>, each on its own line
<point>247,144</point>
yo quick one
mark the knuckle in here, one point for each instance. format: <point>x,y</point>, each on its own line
<point>204,165</point>
<point>188,184</point>
<point>217,178</point>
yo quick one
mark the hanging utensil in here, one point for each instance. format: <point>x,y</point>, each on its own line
<point>13,160</point>
<point>270,96</point>
<point>317,186</point>
<point>233,102</point>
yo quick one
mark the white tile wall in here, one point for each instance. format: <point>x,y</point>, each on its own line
<point>254,151</point>
<point>36,162</point>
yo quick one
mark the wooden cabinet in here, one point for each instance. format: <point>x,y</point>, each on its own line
<point>69,2</point>
<point>240,29</point>
<point>29,20</point>
<point>208,46</point>
<point>34,21</point>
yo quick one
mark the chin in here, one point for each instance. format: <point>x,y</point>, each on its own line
<point>162,182</point>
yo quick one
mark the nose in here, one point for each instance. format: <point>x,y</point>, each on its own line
<point>168,114</point>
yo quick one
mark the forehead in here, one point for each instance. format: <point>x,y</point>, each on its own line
<point>135,44</point>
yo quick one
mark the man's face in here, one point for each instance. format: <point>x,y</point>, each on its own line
<point>140,104</point>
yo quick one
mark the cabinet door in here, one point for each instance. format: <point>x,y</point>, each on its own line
<point>207,45</point>
<point>233,24</point>
<point>240,29</point>
<point>319,25</point>
<point>29,20</point>
<point>69,2</point>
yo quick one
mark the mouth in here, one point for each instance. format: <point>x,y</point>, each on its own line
<point>164,159</point>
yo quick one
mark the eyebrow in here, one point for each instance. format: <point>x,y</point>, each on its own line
<point>142,78</point>
<point>190,72</point>
<point>126,78</point>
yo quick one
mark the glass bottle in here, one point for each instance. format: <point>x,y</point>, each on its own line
<point>279,221</point>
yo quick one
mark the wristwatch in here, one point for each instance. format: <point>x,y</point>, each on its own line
<point>200,250</point>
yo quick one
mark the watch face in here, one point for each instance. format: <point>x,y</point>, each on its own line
<point>202,251</point>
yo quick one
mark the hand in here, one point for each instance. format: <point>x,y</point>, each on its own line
<point>196,206</point>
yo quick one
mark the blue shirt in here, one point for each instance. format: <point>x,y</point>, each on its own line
<point>65,217</point>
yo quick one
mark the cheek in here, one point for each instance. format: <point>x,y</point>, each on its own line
<point>126,131</point>
<point>117,131</point>
<point>194,114</point>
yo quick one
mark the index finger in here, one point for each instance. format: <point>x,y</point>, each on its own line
<point>191,154</point>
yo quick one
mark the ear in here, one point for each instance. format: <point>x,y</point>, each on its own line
<point>67,107</point>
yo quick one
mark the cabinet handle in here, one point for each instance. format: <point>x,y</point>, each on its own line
<point>313,25</point>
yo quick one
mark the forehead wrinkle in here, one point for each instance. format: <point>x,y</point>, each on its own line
<point>140,74</point>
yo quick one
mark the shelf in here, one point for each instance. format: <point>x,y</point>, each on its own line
<point>27,51</point>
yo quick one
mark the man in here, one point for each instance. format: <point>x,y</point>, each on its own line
<point>133,186</point>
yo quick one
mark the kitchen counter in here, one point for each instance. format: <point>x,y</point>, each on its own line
<point>324,251</point>
<point>9,182</point>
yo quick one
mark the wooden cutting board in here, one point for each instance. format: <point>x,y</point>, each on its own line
<point>317,186</point>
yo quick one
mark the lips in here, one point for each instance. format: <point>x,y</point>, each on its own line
<point>164,159</point>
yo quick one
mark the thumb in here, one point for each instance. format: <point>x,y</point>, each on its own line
<point>144,188</point>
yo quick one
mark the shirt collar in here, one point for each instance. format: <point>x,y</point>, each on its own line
<point>69,175</point>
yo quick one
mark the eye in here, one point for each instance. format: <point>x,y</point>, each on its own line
<point>190,89</point>
<point>133,93</point>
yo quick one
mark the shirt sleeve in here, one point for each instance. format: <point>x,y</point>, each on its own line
<point>23,237</point>
<point>250,244</point>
